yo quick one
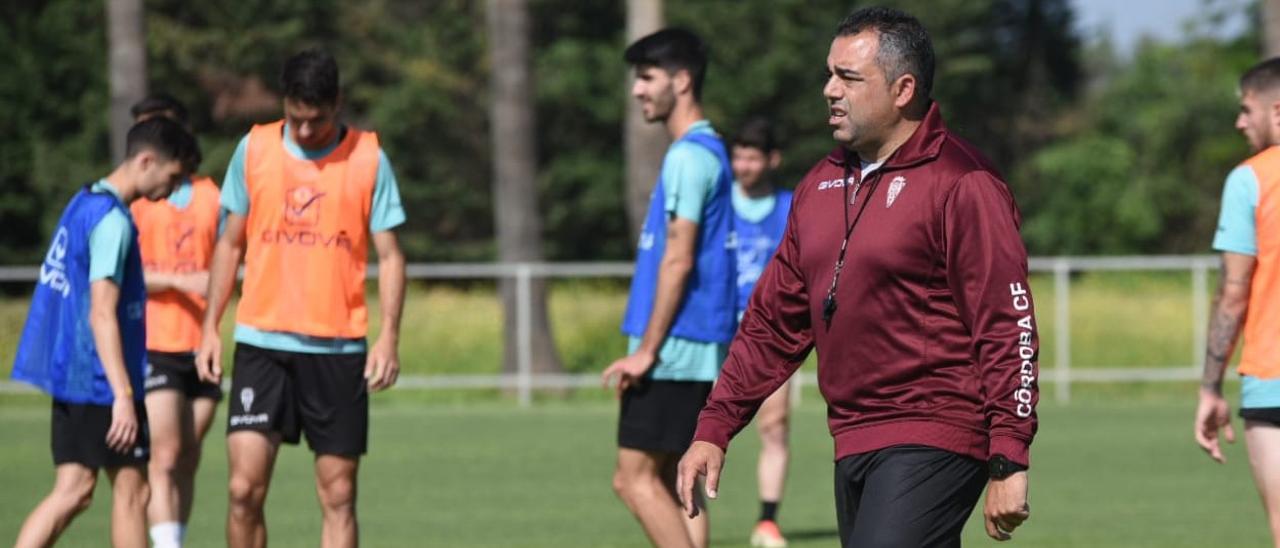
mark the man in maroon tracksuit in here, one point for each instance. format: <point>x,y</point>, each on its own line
<point>902,264</point>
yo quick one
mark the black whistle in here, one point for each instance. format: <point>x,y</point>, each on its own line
<point>828,308</point>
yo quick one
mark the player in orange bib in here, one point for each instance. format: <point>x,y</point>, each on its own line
<point>305,197</point>
<point>1247,305</point>
<point>176,237</point>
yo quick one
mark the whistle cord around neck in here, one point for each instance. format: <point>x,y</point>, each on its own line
<point>829,304</point>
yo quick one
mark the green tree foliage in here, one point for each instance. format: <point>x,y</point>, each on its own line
<point>54,115</point>
<point>1134,164</point>
<point>1140,163</point>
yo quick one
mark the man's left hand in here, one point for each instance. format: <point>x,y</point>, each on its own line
<point>1006,506</point>
<point>382,367</point>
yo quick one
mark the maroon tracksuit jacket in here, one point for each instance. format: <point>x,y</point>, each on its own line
<point>934,339</point>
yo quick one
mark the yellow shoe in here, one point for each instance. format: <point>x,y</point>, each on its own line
<point>767,535</point>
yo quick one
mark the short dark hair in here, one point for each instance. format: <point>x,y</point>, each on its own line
<point>166,138</point>
<point>311,76</point>
<point>672,50</point>
<point>160,103</point>
<point>905,47</point>
<point>1262,77</point>
<point>757,133</point>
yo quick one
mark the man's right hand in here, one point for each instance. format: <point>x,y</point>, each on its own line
<point>627,370</point>
<point>124,425</point>
<point>1212,415</point>
<point>209,358</point>
<point>701,460</point>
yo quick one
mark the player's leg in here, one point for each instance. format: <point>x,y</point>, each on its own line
<point>772,420</point>
<point>336,490</point>
<point>203,401</point>
<point>251,457</point>
<point>71,494</point>
<point>916,496</point>
<point>699,526</point>
<point>203,410</point>
<point>656,423</point>
<point>260,415</point>
<point>1263,441</point>
<point>129,495</point>
<point>169,423</point>
<point>333,405</point>
<point>639,483</point>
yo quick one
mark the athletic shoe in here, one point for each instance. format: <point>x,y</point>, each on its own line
<point>767,535</point>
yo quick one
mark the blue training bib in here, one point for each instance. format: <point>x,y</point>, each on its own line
<point>707,312</point>
<point>757,241</point>
<point>57,353</point>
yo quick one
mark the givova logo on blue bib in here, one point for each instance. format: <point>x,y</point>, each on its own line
<point>53,272</point>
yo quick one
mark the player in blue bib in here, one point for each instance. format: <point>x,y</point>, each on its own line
<point>680,312</point>
<point>761,211</point>
<point>84,342</point>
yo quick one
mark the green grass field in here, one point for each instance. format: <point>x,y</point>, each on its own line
<point>1108,471</point>
<point>1116,467</point>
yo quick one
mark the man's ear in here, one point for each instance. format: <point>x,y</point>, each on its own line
<point>775,159</point>
<point>682,81</point>
<point>143,159</point>
<point>1273,112</point>
<point>904,90</point>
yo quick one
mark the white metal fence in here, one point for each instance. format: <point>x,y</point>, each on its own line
<point>1058,370</point>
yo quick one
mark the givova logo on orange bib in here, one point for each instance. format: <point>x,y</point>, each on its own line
<point>298,206</point>
<point>302,209</point>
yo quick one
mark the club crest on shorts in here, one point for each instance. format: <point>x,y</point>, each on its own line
<point>895,188</point>
<point>246,398</point>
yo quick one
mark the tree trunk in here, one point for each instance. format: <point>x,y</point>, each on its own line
<point>1270,28</point>
<point>645,143</point>
<point>126,65</point>
<point>515,189</point>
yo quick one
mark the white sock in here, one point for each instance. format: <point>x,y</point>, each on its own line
<point>166,535</point>
<point>182,533</point>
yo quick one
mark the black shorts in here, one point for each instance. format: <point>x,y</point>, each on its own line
<point>907,495</point>
<point>1263,414</point>
<point>78,434</point>
<point>177,371</point>
<point>290,393</point>
<point>660,416</point>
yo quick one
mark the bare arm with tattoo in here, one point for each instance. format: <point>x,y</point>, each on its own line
<point>1229,307</point>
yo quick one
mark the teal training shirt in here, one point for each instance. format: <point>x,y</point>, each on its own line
<point>753,209</point>
<point>1237,226</point>
<point>110,239</point>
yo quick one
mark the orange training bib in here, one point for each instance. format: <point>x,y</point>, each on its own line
<point>307,235</point>
<point>177,240</point>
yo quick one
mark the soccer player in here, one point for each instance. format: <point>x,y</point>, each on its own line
<point>1246,302</point>
<point>904,267</point>
<point>176,237</point>
<point>305,197</point>
<point>84,342</point>
<point>761,215</point>
<point>680,313</point>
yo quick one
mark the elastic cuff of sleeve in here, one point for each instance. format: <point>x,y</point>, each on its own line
<point>714,433</point>
<point>1014,449</point>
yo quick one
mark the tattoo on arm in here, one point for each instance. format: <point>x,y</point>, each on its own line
<point>1224,331</point>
